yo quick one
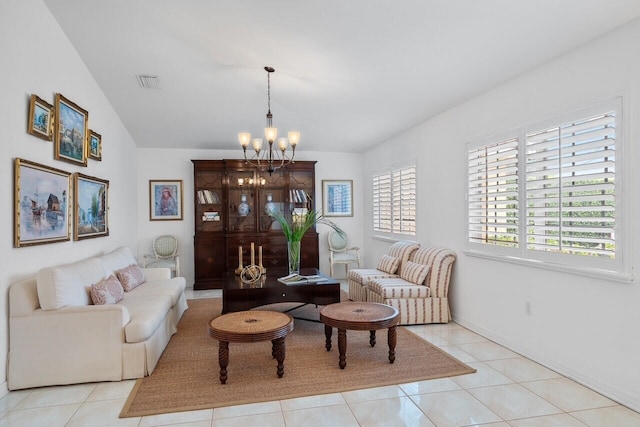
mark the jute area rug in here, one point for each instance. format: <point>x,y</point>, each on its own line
<point>187,375</point>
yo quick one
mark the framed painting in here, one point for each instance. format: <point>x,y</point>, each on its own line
<point>91,207</point>
<point>337,197</point>
<point>42,196</point>
<point>40,118</point>
<point>165,200</point>
<point>70,131</point>
<point>95,145</point>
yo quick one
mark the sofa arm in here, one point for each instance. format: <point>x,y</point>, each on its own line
<point>66,346</point>
<point>157,273</point>
<point>441,261</point>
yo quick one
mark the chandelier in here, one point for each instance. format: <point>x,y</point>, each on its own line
<point>266,157</point>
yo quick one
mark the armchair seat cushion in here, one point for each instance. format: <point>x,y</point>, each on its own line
<point>381,289</point>
<point>364,275</point>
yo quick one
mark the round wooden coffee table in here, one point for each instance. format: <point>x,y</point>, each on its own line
<point>251,326</point>
<point>359,316</point>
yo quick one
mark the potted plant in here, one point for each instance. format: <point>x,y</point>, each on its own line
<point>294,229</point>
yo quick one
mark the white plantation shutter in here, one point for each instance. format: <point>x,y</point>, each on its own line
<point>493,193</point>
<point>394,201</point>
<point>382,202</point>
<point>570,187</point>
<point>404,200</point>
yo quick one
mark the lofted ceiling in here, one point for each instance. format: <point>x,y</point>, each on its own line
<point>349,73</point>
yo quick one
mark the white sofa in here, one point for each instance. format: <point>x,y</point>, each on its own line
<point>57,336</point>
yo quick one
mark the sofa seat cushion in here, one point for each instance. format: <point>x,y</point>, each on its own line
<point>364,275</point>
<point>147,313</point>
<point>173,288</point>
<point>398,288</point>
<point>69,285</point>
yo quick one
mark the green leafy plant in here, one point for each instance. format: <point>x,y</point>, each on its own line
<point>300,223</point>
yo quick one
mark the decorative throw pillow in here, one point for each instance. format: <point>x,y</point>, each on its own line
<point>107,291</point>
<point>414,272</point>
<point>388,264</point>
<point>130,277</point>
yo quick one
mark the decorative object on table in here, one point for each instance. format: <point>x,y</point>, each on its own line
<point>91,207</point>
<point>259,267</point>
<point>70,131</point>
<point>337,197</point>
<point>165,200</point>
<point>40,118</point>
<point>270,208</point>
<point>95,145</point>
<point>243,206</point>
<point>41,204</point>
<point>301,221</point>
<point>165,254</point>
<point>270,159</point>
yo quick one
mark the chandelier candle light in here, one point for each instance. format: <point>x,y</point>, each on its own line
<point>269,159</point>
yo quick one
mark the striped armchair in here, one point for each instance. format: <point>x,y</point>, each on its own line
<point>420,293</point>
<point>359,278</point>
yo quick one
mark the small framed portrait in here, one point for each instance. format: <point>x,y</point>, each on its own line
<point>42,197</point>
<point>95,145</point>
<point>337,197</point>
<point>70,131</point>
<point>165,200</point>
<point>40,118</point>
<point>91,218</point>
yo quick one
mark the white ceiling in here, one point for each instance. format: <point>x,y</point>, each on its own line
<point>349,73</point>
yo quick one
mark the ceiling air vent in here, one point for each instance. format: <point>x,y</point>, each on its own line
<point>148,82</point>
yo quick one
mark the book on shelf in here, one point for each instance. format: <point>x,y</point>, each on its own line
<point>299,279</point>
<point>208,197</point>
<point>298,196</point>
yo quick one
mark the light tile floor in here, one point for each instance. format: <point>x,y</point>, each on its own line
<point>507,390</point>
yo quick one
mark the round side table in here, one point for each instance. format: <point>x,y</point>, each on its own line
<point>251,326</point>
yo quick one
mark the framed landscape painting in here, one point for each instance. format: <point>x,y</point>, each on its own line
<point>42,197</point>
<point>91,207</point>
<point>70,131</point>
<point>337,198</point>
<point>95,145</point>
<point>165,200</point>
<point>40,118</point>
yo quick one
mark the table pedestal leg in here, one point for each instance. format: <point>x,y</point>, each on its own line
<point>372,338</point>
<point>391,338</point>
<point>342,347</point>
<point>223,360</point>
<point>278,351</point>
<point>327,333</point>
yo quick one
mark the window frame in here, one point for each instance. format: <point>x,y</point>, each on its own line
<point>618,268</point>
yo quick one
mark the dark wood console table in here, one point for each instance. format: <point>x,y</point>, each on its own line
<point>238,296</point>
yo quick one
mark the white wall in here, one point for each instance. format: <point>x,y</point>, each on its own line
<point>174,164</point>
<point>37,58</point>
<point>586,328</point>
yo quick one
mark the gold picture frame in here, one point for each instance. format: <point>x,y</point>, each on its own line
<point>42,196</point>
<point>165,200</point>
<point>91,207</point>
<point>70,131</point>
<point>94,142</point>
<point>40,118</point>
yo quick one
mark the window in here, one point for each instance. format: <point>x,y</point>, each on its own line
<point>394,201</point>
<point>549,192</point>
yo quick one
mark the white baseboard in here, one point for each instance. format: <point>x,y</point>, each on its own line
<point>623,397</point>
<point>4,389</point>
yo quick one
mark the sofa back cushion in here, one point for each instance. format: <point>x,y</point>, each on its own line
<point>107,291</point>
<point>117,259</point>
<point>388,264</point>
<point>414,272</point>
<point>68,285</point>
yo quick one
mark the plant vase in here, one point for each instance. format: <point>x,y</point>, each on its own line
<point>293,250</point>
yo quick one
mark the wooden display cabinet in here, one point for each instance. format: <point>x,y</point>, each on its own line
<point>223,222</point>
